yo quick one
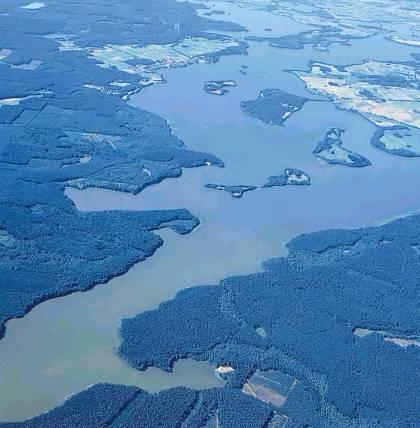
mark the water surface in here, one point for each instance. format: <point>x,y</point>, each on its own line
<point>66,344</point>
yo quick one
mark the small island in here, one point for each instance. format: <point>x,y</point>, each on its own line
<point>290,176</point>
<point>273,106</point>
<point>218,87</point>
<point>235,191</point>
<point>330,150</point>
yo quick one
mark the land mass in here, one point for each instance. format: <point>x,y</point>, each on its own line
<point>331,150</point>
<point>218,87</point>
<point>290,176</point>
<point>65,122</point>
<point>385,93</point>
<point>273,106</point>
<point>270,334</point>
<point>236,191</point>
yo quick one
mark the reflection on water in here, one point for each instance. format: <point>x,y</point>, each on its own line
<point>66,344</point>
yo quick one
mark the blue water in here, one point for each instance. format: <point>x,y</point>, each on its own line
<point>66,344</point>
